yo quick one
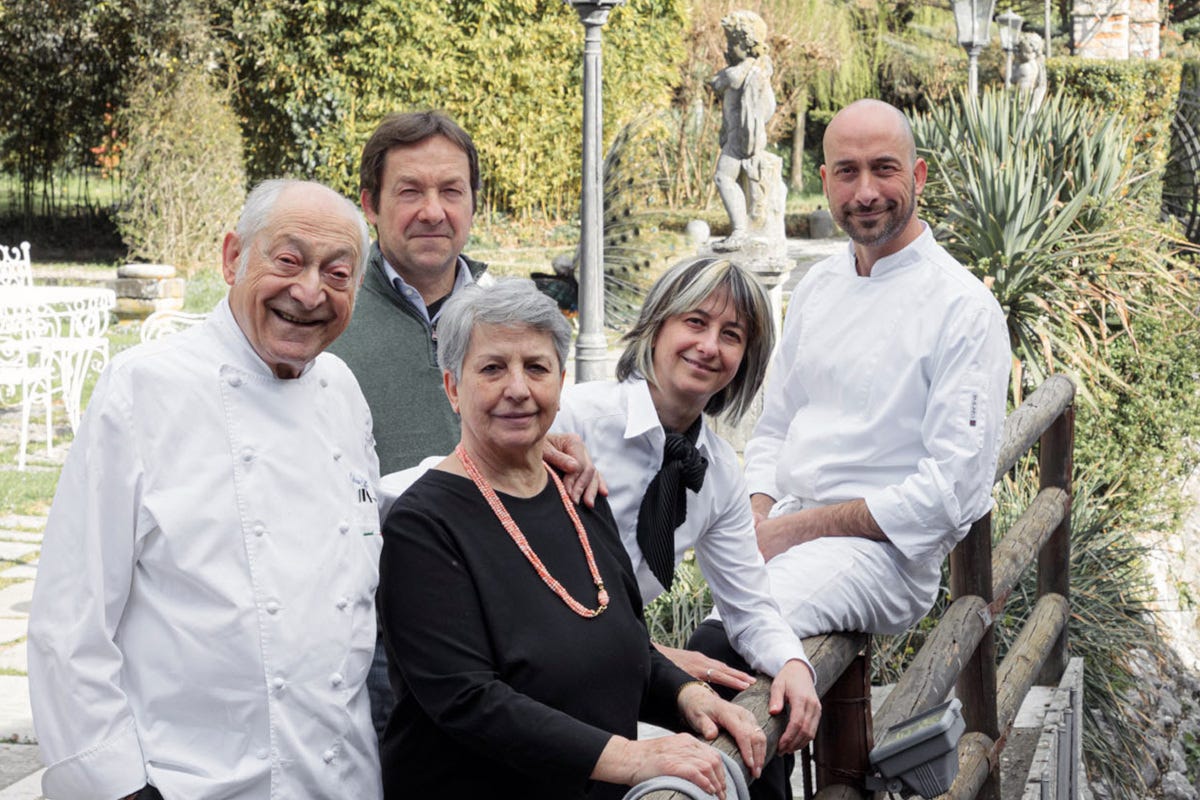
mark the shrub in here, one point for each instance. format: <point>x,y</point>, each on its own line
<point>182,169</point>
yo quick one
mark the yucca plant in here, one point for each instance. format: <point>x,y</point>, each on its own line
<point>1043,206</point>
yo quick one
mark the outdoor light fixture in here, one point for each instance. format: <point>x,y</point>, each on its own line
<point>919,755</point>
<point>1010,31</point>
<point>591,346</point>
<point>973,19</point>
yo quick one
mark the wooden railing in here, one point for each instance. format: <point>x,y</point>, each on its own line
<point>960,651</point>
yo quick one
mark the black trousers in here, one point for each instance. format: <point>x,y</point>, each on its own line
<point>148,792</point>
<point>710,639</point>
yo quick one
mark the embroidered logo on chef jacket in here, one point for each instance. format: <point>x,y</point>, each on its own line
<point>366,510</point>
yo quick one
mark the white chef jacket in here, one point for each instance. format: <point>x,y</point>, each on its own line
<point>203,617</point>
<point>620,426</point>
<point>889,388</point>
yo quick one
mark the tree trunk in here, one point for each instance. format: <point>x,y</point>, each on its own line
<point>796,182</point>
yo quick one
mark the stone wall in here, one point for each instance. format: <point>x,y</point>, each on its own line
<point>1116,29</point>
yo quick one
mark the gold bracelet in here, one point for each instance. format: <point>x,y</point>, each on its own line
<point>683,686</point>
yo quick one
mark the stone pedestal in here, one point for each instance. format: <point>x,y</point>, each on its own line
<point>143,289</point>
<point>771,266</point>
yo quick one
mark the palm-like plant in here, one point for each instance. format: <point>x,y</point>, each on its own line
<point>1034,204</point>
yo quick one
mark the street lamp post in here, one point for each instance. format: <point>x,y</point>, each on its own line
<point>1010,30</point>
<point>591,347</point>
<point>973,18</point>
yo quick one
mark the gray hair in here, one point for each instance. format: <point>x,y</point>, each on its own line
<point>509,302</point>
<point>260,205</point>
<point>685,287</point>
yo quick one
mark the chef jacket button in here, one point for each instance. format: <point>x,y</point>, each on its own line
<point>247,454</point>
<point>335,679</point>
<point>324,382</point>
<point>234,380</point>
<point>272,607</point>
<point>260,529</point>
<point>263,753</point>
<point>344,526</point>
<point>342,602</point>
<point>328,756</point>
<point>278,683</point>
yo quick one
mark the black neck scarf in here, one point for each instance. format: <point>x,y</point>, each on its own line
<point>664,507</point>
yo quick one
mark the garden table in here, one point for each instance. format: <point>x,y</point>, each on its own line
<point>68,323</point>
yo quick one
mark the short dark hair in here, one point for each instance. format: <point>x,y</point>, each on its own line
<point>413,127</point>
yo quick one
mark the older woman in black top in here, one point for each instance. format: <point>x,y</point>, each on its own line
<point>512,621</point>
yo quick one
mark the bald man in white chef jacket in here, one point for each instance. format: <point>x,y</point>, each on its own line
<point>203,618</point>
<point>880,431</point>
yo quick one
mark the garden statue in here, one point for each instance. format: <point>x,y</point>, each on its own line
<point>749,179</point>
<point>1029,72</point>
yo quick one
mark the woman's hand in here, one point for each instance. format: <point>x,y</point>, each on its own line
<point>707,713</point>
<point>794,685</point>
<point>683,756</point>
<point>567,453</point>
<point>703,668</point>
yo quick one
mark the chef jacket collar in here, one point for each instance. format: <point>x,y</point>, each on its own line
<point>247,357</point>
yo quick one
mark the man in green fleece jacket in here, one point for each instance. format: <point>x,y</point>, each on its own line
<point>419,177</point>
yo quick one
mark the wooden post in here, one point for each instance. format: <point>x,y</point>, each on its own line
<point>1055,463</point>
<point>971,574</point>
<point>845,737</point>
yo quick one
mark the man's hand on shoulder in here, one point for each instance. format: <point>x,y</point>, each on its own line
<point>567,453</point>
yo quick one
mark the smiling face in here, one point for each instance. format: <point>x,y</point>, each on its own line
<point>871,178</point>
<point>295,293</point>
<point>696,355</point>
<point>508,393</point>
<point>424,212</point>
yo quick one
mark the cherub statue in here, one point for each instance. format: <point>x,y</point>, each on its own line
<point>748,103</point>
<point>1029,71</point>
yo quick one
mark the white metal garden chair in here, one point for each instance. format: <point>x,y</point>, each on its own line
<point>26,376</point>
<point>15,266</point>
<point>165,322</point>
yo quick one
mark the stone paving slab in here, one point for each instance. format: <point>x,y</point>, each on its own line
<point>15,657</point>
<point>15,599</point>
<point>12,551</point>
<point>12,629</point>
<point>21,772</point>
<point>20,536</point>
<point>24,572</point>
<point>16,720</point>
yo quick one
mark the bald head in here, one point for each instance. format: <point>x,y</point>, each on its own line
<point>872,179</point>
<point>876,117</point>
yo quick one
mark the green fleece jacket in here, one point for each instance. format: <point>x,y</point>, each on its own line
<point>390,348</point>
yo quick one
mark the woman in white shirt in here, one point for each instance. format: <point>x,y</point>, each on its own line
<point>700,345</point>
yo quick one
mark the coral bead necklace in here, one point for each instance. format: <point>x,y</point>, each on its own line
<point>522,543</point>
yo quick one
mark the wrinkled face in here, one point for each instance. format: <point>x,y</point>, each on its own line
<point>296,294</point>
<point>697,354</point>
<point>508,393</point>
<point>869,178</point>
<point>425,208</point>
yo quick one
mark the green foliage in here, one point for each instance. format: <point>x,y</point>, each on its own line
<point>1110,608</point>
<point>317,76</point>
<point>67,66</point>
<point>1043,207</point>
<point>1142,91</point>
<point>673,615</point>
<point>183,170</point>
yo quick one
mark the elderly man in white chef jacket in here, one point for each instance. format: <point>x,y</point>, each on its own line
<point>879,436</point>
<point>203,618</point>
